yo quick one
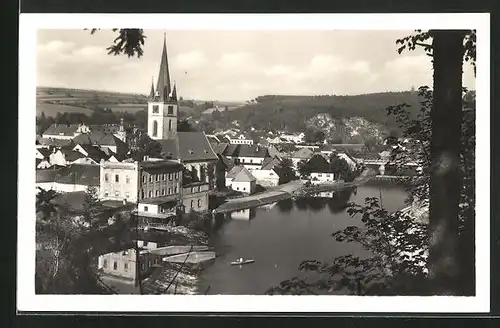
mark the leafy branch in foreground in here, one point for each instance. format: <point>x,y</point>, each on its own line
<point>130,41</point>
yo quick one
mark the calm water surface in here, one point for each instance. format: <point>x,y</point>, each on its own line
<point>280,236</point>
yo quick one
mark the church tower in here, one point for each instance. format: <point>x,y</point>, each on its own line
<point>163,106</point>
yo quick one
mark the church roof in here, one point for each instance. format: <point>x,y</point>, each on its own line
<point>244,176</point>
<point>189,146</point>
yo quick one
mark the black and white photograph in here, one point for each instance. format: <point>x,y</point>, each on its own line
<point>254,163</point>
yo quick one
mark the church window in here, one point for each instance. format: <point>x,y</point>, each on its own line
<point>156,109</point>
<point>170,110</point>
<point>106,177</point>
<point>117,178</point>
<point>155,128</point>
<point>169,125</point>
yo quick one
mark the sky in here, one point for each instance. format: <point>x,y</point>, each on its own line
<point>227,65</point>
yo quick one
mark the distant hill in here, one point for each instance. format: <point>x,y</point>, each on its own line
<point>292,112</point>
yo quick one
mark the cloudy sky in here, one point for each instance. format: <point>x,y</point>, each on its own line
<point>238,65</point>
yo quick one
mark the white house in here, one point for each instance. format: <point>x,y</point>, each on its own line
<point>244,181</point>
<point>322,177</point>
<point>240,140</point>
<point>64,131</point>
<point>252,157</point>
<point>295,138</point>
<point>240,179</point>
<point>267,176</point>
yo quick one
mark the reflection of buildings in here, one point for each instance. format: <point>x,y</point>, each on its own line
<point>245,214</point>
<point>325,194</point>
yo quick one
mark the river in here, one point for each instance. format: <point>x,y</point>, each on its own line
<point>280,236</point>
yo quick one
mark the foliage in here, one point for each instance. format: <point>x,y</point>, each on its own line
<point>285,171</point>
<point>396,243</point>
<point>129,42</point>
<point>339,167</point>
<point>63,263</point>
<point>91,205</point>
<point>303,168</point>
<point>314,136</point>
<point>142,145</point>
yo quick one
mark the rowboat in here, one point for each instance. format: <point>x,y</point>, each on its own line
<point>191,258</point>
<point>240,261</point>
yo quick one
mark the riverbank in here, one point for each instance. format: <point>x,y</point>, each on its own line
<point>288,190</point>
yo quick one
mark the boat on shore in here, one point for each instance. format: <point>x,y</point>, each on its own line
<point>190,258</point>
<point>240,261</point>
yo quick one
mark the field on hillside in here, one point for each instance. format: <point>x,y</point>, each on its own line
<point>53,109</point>
<point>221,108</point>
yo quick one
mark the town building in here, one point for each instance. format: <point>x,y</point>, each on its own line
<point>72,178</point>
<point>295,138</point>
<point>302,154</point>
<point>240,179</point>
<point>249,156</point>
<point>267,176</point>
<point>64,131</point>
<point>240,139</point>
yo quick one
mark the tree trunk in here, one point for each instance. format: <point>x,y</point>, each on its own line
<point>445,182</point>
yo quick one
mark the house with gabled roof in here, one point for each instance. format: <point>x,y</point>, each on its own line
<point>72,178</point>
<point>267,176</point>
<point>302,154</point>
<point>251,156</point>
<point>64,131</point>
<point>241,179</point>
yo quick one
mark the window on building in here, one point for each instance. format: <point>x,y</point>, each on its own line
<point>169,125</point>
<point>145,210</point>
<point>192,203</point>
<point>117,178</point>
<point>251,161</point>
<point>142,194</point>
<point>150,264</point>
<point>127,179</point>
<point>125,267</point>
<point>117,194</point>
<point>163,192</point>
<point>199,203</point>
<point>164,177</point>
<point>170,176</point>
<point>151,178</point>
<point>106,193</point>
<point>192,190</point>
<point>156,109</point>
<point>157,177</point>
<point>115,265</point>
<point>143,266</point>
<point>106,177</point>
<point>150,194</point>
<point>144,179</point>
<point>127,195</point>
<point>169,191</point>
<point>155,129</point>
<point>145,243</point>
<point>175,190</point>
<point>319,175</point>
<point>170,110</point>
<point>157,193</point>
<point>237,188</point>
<point>105,263</point>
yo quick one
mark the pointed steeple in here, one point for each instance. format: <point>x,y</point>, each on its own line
<point>173,96</point>
<point>163,86</point>
<point>152,92</point>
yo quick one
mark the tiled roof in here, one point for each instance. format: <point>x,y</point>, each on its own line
<point>83,174</point>
<point>72,155</point>
<point>244,176</point>
<point>234,171</point>
<point>95,153</point>
<point>168,148</point>
<point>269,163</point>
<point>61,129</point>
<point>110,128</point>
<point>170,164</point>
<point>44,151</point>
<point>219,148</point>
<point>318,163</point>
<point>55,142</point>
<point>246,151</point>
<point>194,146</point>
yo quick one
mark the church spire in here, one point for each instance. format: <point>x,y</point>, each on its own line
<point>173,97</point>
<point>163,87</point>
<point>152,92</point>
